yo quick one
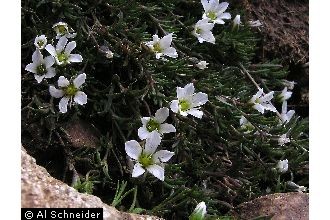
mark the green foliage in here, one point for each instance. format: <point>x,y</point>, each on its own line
<point>215,160</point>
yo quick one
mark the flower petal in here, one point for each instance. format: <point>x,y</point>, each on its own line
<point>50,72</point>
<point>49,61</point>
<point>259,108</point>
<point>75,58</point>
<point>80,98</point>
<point>37,57</point>
<point>39,78</point>
<point>284,107</point>
<point>70,46</point>
<point>267,97</point>
<point>208,37</point>
<point>51,50</point>
<point>61,44</point>
<point>157,171</point>
<point>199,99</point>
<point>166,41</point>
<point>195,112</point>
<point>56,93</point>
<point>63,105</point>
<point>225,15</point>
<point>180,92</point>
<point>143,133</point>
<point>145,120</point>
<point>133,149</point>
<point>175,106</point>
<point>163,155</point>
<point>137,170</point>
<point>170,52</point>
<point>162,114</point>
<point>189,89</point>
<point>32,67</point>
<point>63,82</point>
<point>79,80</point>
<point>166,128</point>
<point>152,143</point>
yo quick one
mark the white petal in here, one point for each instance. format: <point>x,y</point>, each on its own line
<point>185,114</point>
<point>162,114</point>
<point>223,6</point>
<point>225,16</point>
<point>80,98</point>
<point>32,67</point>
<point>166,41</point>
<point>133,149</point>
<point>55,92</point>
<point>208,37</point>
<point>199,99</point>
<point>155,38</point>
<point>180,92</point>
<point>206,5</point>
<point>143,133</point>
<point>49,61</point>
<point>163,155</point>
<point>63,82</point>
<point>166,128</point>
<point>61,44</point>
<point>189,89</point>
<point>63,105</point>
<point>70,46</point>
<point>259,93</point>
<point>170,52</point>
<point>158,55</point>
<point>195,112</point>
<point>145,120</point>
<point>175,106</point>
<point>152,143</point>
<point>219,21</point>
<point>259,108</point>
<point>267,97</point>
<point>50,72</point>
<point>79,80</point>
<point>137,170</point>
<point>39,78</point>
<point>269,107</point>
<point>75,58</point>
<point>37,57</point>
<point>51,49</point>
<point>157,171</point>
<point>289,115</point>
<point>284,107</point>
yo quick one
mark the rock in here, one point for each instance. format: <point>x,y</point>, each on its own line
<point>40,190</point>
<point>279,206</point>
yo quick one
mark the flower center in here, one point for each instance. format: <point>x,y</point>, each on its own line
<point>41,69</point>
<point>211,15</point>
<point>70,90</point>
<point>146,160</point>
<point>184,105</point>
<point>40,43</point>
<point>61,29</point>
<point>63,57</point>
<point>198,30</point>
<point>153,125</point>
<point>258,100</point>
<point>157,47</point>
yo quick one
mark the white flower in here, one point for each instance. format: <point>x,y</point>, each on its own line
<point>42,68</point>
<point>151,124</point>
<point>245,124</point>
<point>202,65</point>
<point>285,95</point>
<point>296,187</point>
<point>68,91</point>
<point>282,166</point>
<point>62,53</point>
<point>162,47</point>
<point>202,31</point>
<point>199,212</point>
<point>108,53</point>
<point>289,84</point>
<point>256,23</point>
<point>147,158</point>
<point>215,12</point>
<point>188,102</point>
<point>237,21</point>
<point>62,29</point>
<point>262,102</point>
<point>283,139</point>
<point>286,115</point>
<point>40,42</point>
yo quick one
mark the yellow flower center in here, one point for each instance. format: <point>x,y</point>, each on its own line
<point>40,43</point>
<point>41,69</point>
<point>70,90</point>
<point>63,57</point>
<point>146,160</point>
<point>198,30</point>
<point>61,29</point>
<point>184,105</point>
<point>153,125</point>
<point>157,48</point>
<point>211,15</point>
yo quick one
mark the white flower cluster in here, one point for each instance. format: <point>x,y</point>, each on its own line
<point>153,128</point>
<point>69,91</point>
